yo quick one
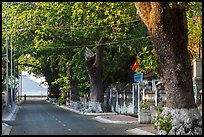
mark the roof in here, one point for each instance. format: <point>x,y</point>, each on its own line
<point>150,75</point>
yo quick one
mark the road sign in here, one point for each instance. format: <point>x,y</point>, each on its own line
<point>138,77</point>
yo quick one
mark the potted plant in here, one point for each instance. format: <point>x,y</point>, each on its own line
<point>144,115</point>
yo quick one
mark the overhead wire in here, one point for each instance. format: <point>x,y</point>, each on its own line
<point>85,27</point>
<point>92,45</point>
<point>74,27</point>
<point>72,47</point>
<point>81,26</point>
<point>89,27</point>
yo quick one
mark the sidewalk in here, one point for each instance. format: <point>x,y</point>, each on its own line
<point>8,116</point>
<point>141,129</point>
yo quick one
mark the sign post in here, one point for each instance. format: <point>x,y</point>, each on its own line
<point>138,78</point>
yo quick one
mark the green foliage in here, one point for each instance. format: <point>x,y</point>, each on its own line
<point>3,87</point>
<point>82,94</point>
<point>162,122</point>
<point>61,101</point>
<point>194,17</point>
<point>79,70</point>
<point>159,109</point>
<point>35,26</point>
<point>63,82</point>
<point>147,61</point>
<point>144,105</point>
<point>46,34</point>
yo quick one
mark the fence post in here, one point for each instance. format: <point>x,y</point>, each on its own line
<point>124,104</point>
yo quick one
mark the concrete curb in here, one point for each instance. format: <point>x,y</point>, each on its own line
<point>135,131</point>
<point>89,114</point>
<point>6,129</point>
<point>138,131</point>
<point>103,120</point>
<point>10,115</point>
<point>73,110</point>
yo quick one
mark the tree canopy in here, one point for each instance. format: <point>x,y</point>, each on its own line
<point>49,37</point>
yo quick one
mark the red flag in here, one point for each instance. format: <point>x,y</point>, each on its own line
<point>136,64</point>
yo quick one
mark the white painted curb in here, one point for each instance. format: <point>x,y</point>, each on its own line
<point>103,120</point>
<point>140,132</point>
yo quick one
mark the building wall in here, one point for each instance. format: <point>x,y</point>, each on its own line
<point>31,85</point>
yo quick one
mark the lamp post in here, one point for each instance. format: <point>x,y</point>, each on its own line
<point>11,75</point>
<point>7,98</point>
<point>7,93</point>
<point>20,81</point>
<point>14,71</point>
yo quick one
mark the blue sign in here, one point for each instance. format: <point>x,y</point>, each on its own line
<point>138,77</point>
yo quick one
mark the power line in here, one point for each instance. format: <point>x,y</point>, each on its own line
<point>92,45</point>
<point>85,27</point>
<point>79,26</point>
<point>110,43</point>
<point>72,27</point>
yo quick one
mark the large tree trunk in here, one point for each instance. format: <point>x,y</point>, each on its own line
<point>168,29</point>
<point>73,83</point>
<point>94,66</point>
<point>53,88</point>
<point>74,92</point>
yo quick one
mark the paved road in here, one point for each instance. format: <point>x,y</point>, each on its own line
<point>37,117</point>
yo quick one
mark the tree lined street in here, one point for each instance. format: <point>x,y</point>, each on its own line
<point>83,49</point>
<point>37,117</point>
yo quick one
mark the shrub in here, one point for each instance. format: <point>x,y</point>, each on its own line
<point>144,105</point>
<point>61,101</point>
<point>162,122</point>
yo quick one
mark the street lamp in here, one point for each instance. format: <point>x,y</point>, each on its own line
<point>14,71</point>
<point>11,75</point>
<point>20,78</point>
<point>7,97</point>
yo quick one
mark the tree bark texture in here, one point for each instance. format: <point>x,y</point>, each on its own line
<point>73,83</point>
<point>53,89</point>
<point>94,67</point>
<point>167,26</point>
<point>168,29</point>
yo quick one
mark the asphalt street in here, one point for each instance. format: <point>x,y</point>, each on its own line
<point>37,117</point>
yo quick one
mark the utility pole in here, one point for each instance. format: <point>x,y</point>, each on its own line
<point>7,92</point>
<point>11,75</point>
<point>14,66</point>
<point>18,86</point>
